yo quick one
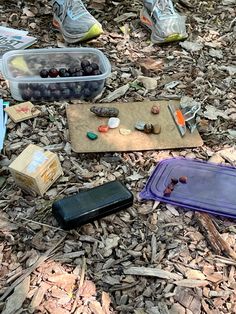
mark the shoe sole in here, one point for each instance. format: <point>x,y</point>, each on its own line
<point>94,32</point>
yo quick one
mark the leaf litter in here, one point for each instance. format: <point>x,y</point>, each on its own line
<point>153,258</point>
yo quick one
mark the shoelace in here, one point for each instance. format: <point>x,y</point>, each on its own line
<point>76,6</point>
<point>163,6</point>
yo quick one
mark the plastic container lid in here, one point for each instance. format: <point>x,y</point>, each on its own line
<point>210,187</point>
<point>58,57</point>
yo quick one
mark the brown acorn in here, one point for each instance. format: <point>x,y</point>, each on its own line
<point>183,179</point>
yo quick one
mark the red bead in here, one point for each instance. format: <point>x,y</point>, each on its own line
<point>103,128</point>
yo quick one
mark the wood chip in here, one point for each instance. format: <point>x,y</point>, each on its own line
<point>152,272</point>
<point>191,283</point>
<point>15,301</point>
<point>213,236</point>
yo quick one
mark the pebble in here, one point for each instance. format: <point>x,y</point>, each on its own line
<point>155,109</point>
<point>140,125</point>
<point>103,128</point>
<point>125,131</point>
<point>156,129</point>
<point>148,128</point>
<point>92,136</point>
<point>113,123</point>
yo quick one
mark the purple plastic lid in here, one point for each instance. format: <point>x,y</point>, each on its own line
<point>210,187</point>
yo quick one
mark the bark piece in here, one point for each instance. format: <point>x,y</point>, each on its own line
<point>213,237</point>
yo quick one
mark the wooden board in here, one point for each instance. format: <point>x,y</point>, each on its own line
<point>81,121</point>
<point>22,111</point>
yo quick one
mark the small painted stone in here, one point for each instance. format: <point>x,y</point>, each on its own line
<point>105,111</point>
<point>148,128</point>
<point>156,129</point>
<point>140,125</point>
<point>113,123</point>
<point>125,131</point>
<point>155,109</point>
<point>92,136</point>
<point>103,128</point>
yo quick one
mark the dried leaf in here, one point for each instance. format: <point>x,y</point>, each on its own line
<point>152,65</point>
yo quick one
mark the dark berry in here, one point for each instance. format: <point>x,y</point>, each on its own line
<point>77,93</point>
<point>56,94</point>
<point>66,75</point>
<point>42,87</point>
<point>79,73</point>
<point>97,72</point>
<point>66,93</point>
<point>52,86</point>
<point>94,66</point>
<point>26,94</point>
<point>94,86</point>
<point>33,86</point>
<point>71,85</point>
<point>183,179</point>
<point>84,64</point>
<point>167,192</point>
<point>23,85</point>
<point>86,92</point>
<point>47,94</point>
<point>53,72</point>
<point>37,95</point>
<point>72,70</point>
<point>88,70</point>
<point>62,86</point>
<point>174,180</point>
<point>43,73</point>
<point>62,71</point>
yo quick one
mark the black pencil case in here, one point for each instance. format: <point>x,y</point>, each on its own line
<point>93,204</point>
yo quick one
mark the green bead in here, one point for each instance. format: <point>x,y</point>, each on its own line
<point>92,136</point>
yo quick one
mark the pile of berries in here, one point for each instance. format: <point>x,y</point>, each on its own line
<point>64,90</point>
<point>173,183</point>
<point>86,69</point>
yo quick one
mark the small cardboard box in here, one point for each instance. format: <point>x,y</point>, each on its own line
<point>35,169</point>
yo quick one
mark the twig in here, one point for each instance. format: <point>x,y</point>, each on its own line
<point>41,224</point>
<point>31,269</point>
<point>81,282</point>
<point>213,237</point>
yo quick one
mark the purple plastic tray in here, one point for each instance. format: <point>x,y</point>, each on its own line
<point>210,187</point>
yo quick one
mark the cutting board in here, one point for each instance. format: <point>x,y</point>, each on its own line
<point>81,121</point>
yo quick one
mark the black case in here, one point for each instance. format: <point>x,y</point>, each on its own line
<point>93,204</point>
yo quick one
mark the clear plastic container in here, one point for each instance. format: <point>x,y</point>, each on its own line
<point>22,68</point>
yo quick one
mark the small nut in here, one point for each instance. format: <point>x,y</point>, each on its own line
<point>167,192</point>
<point>174,180</point>
<point>171,186</point>
<point>183,179</point>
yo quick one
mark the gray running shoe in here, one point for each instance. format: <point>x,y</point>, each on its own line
<point>164,22</point>
<point>74,21</point>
